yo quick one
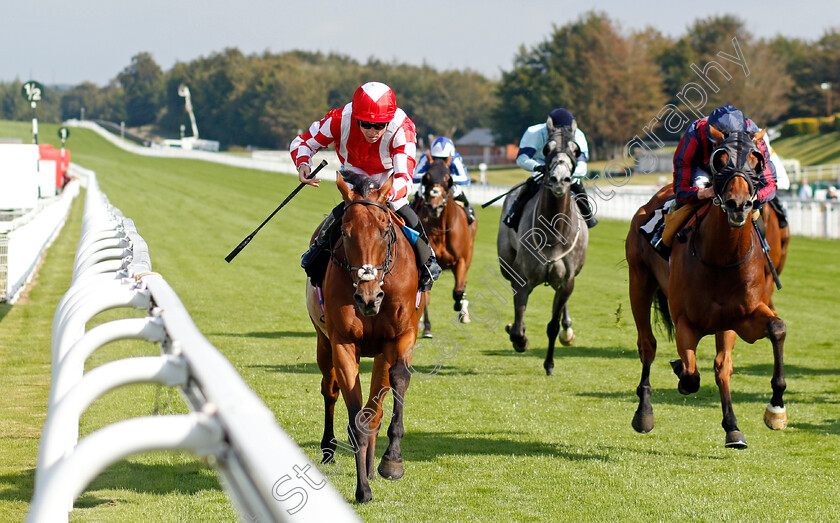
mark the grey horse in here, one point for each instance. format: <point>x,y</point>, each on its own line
<point>548,247</point>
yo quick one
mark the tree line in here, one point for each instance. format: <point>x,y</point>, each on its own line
<point>619,85</point>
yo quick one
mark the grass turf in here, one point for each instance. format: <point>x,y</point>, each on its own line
<point>487,437</point>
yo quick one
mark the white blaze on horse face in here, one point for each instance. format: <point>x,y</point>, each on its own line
<point>436,192</point>
<point>367,272</point>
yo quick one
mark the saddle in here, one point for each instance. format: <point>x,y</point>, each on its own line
<point>669,222</point>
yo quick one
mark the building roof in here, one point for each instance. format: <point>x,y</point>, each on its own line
<point>480,137</point>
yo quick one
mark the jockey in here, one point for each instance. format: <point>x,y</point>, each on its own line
<point>692,173</point>
<point>374,137</point>
<point>531,158</point>
<point>444,150</point>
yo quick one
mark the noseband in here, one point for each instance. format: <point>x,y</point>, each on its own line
<point>368,272</point>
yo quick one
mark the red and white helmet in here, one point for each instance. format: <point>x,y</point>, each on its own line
<point>374,102</point>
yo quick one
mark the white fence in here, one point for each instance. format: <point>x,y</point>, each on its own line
<point>24,238</point>
<point>228,423</point>
<point>814,218</point>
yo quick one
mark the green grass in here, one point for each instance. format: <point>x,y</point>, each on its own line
<point>810,149</point>
<point>489,437</point>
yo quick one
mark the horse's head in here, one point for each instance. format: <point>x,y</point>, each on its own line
<point>437,182</point>
<point>736,165</point>
<point>368,237</point>
<point>561,154</point>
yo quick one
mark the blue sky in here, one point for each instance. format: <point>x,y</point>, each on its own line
<point>70,41</point>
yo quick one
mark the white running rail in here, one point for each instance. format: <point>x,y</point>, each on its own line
<point>267,476</point>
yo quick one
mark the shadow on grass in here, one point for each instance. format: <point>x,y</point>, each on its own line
<point>561,352</point>
<point>829,426</point>
<point>4,309</point>
<point>365,366</point>
<point>790,371</point>
<point>428,446</point>
<point>187,478</point>
<point>265,335</point>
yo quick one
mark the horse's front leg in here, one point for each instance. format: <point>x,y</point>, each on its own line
<point>461,305</point>
<point>558,311</point>
<point>346,364</point>
<point>763,322</point>
<point>516,330</point>
<point>329,389</point>
<point>724,341</point>
<point>391,466</point>
<point>427,324</point>
<point>371,417</point>
<point>687,338</point>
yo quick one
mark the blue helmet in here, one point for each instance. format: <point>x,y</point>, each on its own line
<point>443,148</point>
<point>726,119</point>
<point>561,117</point>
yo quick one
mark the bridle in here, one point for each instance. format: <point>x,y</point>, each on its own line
<point>739,147</point>
<point>368,272</point>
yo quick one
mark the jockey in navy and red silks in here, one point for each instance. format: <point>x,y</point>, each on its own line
<point>374,137</point>
<point>692,178</point>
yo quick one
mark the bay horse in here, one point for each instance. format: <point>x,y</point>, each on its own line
<point>549,246</point>
<point>451,236</point>
<point>717,283</point>
<point>370,308</point>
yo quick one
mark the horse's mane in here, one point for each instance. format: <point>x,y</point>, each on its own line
<point>362,185</point>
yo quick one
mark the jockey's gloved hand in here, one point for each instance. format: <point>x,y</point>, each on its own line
<point>540,169</point>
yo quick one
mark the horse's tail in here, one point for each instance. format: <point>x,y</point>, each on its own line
<point>663,313</point>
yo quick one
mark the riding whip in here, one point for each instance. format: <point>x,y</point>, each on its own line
<point>245,242</point>
<point>766,249</point>
<point>515,187</point>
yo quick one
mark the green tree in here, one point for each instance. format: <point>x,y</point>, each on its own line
<point>142,83</point>
<point>606,79</point>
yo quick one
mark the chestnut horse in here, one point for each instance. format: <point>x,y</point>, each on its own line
<point>370,308</point>
<point>717,284</point>
<point>549,246</point>
<point>450,235</point>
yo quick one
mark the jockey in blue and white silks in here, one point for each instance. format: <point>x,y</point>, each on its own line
<point>440,148</point>
<point>444,150</point>
<point>531,158</point>
<point>531,146</point>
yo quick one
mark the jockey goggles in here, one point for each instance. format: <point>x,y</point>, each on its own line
<point>372,125</point>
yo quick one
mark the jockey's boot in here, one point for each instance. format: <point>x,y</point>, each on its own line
<point>777,206</point>
<point>309,260</point>
<point>427,265</point>
<point>583,204</point>
<point>514,214</point>
<point>462,198</point>
<point>659,246</point>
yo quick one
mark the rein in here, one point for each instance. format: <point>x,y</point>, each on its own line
<point>368,272</point>
<point>534,225</point>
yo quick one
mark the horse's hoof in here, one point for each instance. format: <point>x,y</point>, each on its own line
<point>391,469</point>
<point>775,417</point>
<point>520,343</point>
<point>735,440</point>
<point>642,423</point>
<point>567,337</point>
<point>677,366</point>
<point>549,370</point>
<point>363,496</point>
<point>427,333</point>
<point>464,317</point>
